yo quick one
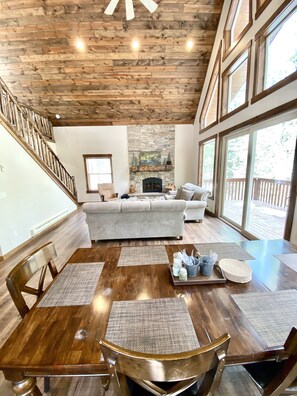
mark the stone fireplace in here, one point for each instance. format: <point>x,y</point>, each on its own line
<point>151,156</point>
<point>152,184</point>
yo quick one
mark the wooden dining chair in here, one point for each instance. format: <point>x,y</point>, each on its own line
<point>134,373</point>
<point>275,378</point>
<point>16,281</point>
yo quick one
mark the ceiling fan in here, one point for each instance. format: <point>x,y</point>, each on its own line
<point>151,5</point>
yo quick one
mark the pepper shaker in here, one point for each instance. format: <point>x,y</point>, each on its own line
<point>183,275</point>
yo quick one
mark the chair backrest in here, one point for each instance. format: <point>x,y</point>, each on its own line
<point>184,369</point>
<point>19,276</point>
<point>106,189</point>
<point>287,377</point>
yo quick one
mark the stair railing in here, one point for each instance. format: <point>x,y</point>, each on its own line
<point>32,138</point>
<point>42,123</point>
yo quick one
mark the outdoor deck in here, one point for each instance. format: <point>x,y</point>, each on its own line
<point>266,221</point>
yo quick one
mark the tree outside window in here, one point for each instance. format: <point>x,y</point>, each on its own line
<point>208,163</point>
<point>281,52</point>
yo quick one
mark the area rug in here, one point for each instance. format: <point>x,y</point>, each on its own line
<point>272,314</point>
<point>75,285</point>
<point>153,326</point>
<point>143,255</point>
<point>224,250</point>
<point>289,259</point>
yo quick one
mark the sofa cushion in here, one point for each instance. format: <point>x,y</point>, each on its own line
<point>166,206</point>
<point>190,186</point>
<point>101,207</point>
<point>195,204</point>
<point>136,206</point>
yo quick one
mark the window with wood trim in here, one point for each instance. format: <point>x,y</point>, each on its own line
<point>276,60</point>
<point>209,114</point>
<point>238,22</point>
<point>207,165</point>
<point>235,84</point>
<point>98,169</point>
<point>261,5</point>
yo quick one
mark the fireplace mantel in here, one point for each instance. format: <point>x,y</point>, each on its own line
<point>151,168</point>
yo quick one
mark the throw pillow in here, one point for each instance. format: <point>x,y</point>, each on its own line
<point>178,194</point>
<point>186,195</point>
<point>200,194</point>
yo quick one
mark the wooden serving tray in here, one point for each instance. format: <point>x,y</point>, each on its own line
<point>216,277</point>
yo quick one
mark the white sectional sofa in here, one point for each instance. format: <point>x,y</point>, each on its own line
<point>195,198</point>
<point>126,219</point>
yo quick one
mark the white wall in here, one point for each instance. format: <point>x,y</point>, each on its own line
<point>73,142</point>
<point>185,155</point>
<point>28,196</point>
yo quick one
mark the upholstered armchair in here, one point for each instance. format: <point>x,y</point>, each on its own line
<point>106,191</point>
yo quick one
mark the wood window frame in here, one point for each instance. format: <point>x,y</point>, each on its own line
<point>225,84</point>
<point>228,46</point>
<point>201,145</point>
<point>86,157</point>
<point>215,75</point>
<point>260,7</point>
<point>274,22</point>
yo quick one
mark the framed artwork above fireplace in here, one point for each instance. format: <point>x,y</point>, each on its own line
<point>149,158</point>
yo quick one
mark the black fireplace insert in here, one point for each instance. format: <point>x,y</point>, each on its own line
<point>152,184</point>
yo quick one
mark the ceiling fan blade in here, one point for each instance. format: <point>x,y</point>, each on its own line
<point>111,7</point>
<point>129,9</point>
<point>150,5</point>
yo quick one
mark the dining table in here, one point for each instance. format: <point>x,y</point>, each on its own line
<point>101,290</point>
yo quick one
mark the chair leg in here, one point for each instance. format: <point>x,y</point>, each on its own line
<point>105,381</point>
<point>47,385</point>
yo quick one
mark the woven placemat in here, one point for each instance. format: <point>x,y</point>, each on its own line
<point>75,285</point>
<point>289,259</point>
<point>224,250</point>
<point>143,255</point>
<point>152,326</point>
<point>272,314</point>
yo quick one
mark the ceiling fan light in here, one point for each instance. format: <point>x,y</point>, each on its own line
<point>129,9</point>
<point>111,7</point>
<point>150,5</point>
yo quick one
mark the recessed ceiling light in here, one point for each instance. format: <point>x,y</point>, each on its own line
<point>80,45</point>
<point>135,44</point>
<point>190,44</point>
<point>58,116</point>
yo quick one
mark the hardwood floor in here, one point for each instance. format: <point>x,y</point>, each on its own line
<point>69,236</point>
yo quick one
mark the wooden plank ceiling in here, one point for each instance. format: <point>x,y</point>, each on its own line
<point>108,83</point>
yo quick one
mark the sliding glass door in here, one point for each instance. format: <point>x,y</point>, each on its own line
<point>236,153</point>
<point>271,173</point>
<point>257,177</point>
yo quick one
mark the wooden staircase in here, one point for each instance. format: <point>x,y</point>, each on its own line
<point>32,131</point>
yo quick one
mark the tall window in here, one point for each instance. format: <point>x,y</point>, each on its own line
<point>207,155</point>
<point>98,168</point>
<point>238,21</point>
<point>235,80</point>
<point>277,53</point>
<point>209,114</point>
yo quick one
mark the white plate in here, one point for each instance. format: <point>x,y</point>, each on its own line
<point>235,270</point>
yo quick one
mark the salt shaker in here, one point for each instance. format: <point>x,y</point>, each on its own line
<point>183,275</point>
<point>177,264</point>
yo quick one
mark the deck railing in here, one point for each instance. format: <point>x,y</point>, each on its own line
<point>271,191</point>
<point>28,132</point>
